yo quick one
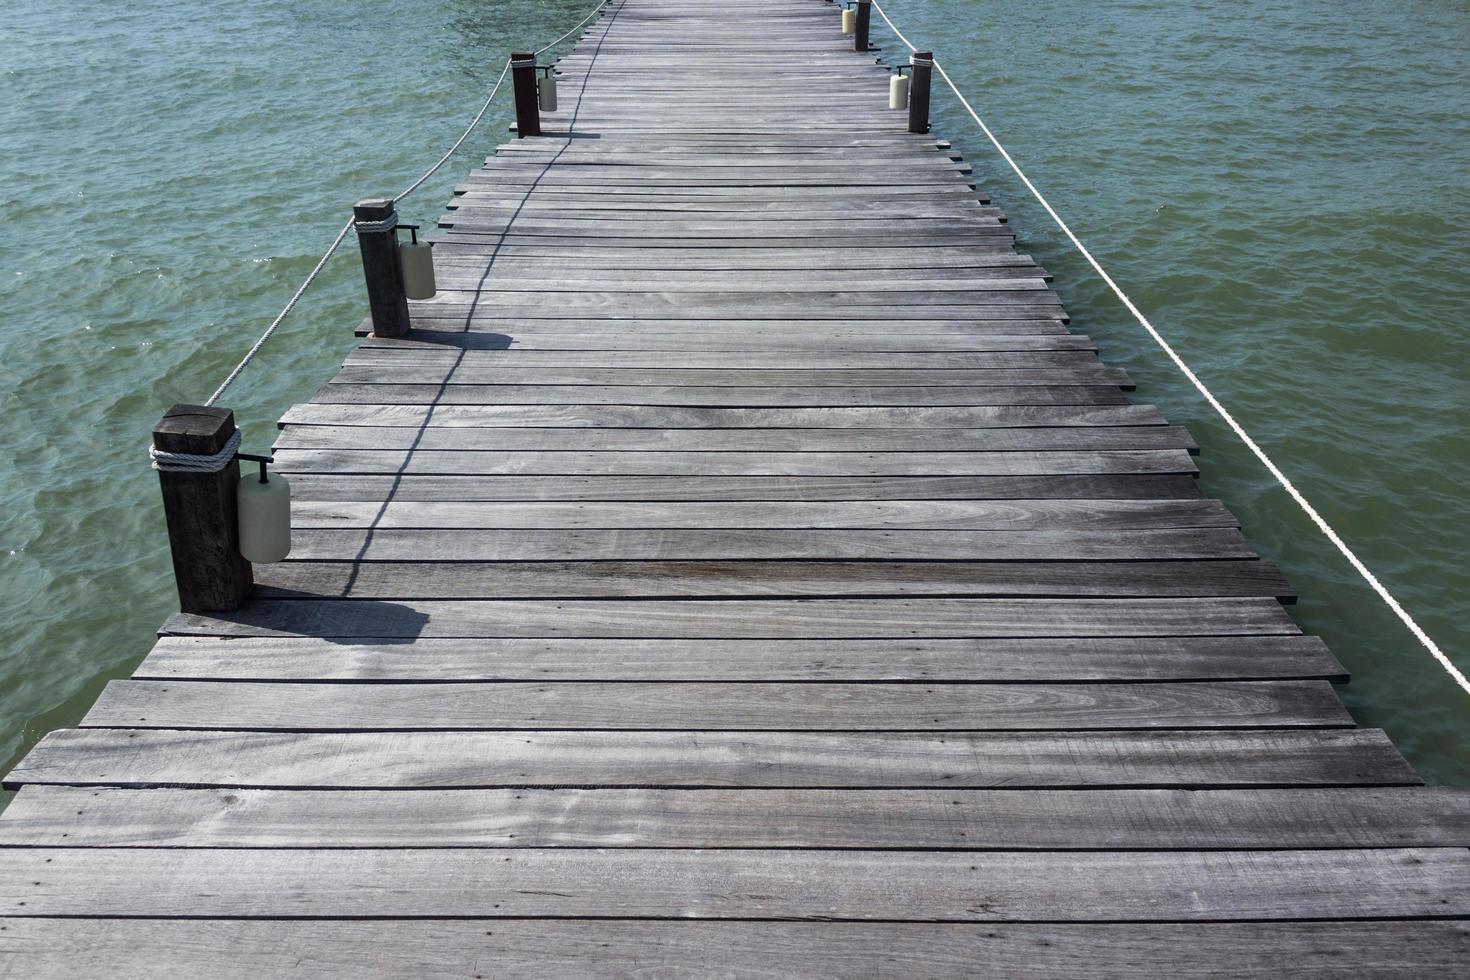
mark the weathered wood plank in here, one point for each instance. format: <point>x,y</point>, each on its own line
<point>744,464</point>
<point>731,396</point>
<point>422,372</point>
<point>487,760</point>
<point>1117,886</point>
<point>691,361</point>
<point>912,420</point>
<point>559,949</point>
<point>47,816</point>
<point>1051,659</point>
<point>729,706</point>
<point>433,438</point>
<point>347,486</point>
<point>740,544</point>
<point>745,619</point>
<point>1009,515</point>
<point>735,579</point>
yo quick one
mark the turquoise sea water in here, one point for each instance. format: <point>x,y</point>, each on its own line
<point>1279,184</point>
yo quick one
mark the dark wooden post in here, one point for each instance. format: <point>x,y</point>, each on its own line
<point>864,19</point>
<point>203,532</point>
<point>381,268</point>
<point>523,77</point>
<point>920,77</point>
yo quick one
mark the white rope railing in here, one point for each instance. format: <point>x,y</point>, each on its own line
<point>1209,396</point>
<point>594,12</point>
<point>321,263</point>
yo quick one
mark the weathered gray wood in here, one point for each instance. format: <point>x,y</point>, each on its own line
<point>513,359</point>
<point>789,338</point>
<point>855,464</point>
<point>1132,486</point>
<point>440,374</point>
<point>639,440</point>
<point>1051,659</point>
<point>726,544</point>
<point>796,396</point>
<point>558,949</point>
<point>1114,886</point>
<point>756,618</point>
<point>913,421</point>
<point>729,706</point>
<point>804,579</point>
<point>950,760</point>
<point>46,816</point>
<point>1008,515</point>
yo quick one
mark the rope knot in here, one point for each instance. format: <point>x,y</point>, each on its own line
<point>386,224</point>
<point>167,462</point>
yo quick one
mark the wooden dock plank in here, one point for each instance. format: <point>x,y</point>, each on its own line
<point>641,440</point>
<point>558,949</point>
<point>727,706</point>
<point>364,579</point>
<point>732,760</point>
<point>982,886</point>
<point>745,618</point>
<point>933,660</point>
<point>1130,486</point>
<point>43,816</point>
<point>741,544</point>
<point>1008,515</point>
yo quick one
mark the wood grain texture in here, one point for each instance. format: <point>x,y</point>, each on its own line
<point>45,816</point>
<point>949,760</point>
<point>767,579</point>
<point>1091,659</point>
<point>986,886</point>
<point>1129,486</point>
<point>571,949</point>
<point>729,706</point>
<point>1008,515</point>
<point>744,618</point>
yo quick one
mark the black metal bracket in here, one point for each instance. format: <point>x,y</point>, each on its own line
<point>262,460</point>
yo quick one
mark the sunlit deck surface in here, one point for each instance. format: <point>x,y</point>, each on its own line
<point>740,570</point>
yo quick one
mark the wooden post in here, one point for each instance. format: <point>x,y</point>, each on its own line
<point>381,269</point>
<point>920,77</point>
<point>523,77</point>
<point>203,533</point>
<point>864,19</point>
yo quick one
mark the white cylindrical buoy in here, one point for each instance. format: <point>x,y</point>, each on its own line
<point>898,92</point>
<point>849,21</point>
<point>417,261</point>
<point>546,93</point>
<point>264,518</point>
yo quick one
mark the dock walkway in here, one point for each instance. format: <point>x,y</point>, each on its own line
<point>741,569</point>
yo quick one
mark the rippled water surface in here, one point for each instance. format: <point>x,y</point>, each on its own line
<point>1279,184</point>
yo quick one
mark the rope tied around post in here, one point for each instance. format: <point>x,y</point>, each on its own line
<point>168,462</point>
<point>387,224</point>
<point>1209,396</point>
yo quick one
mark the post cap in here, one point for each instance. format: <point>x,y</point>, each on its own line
<point>373,208</point>
<point>194,429</point>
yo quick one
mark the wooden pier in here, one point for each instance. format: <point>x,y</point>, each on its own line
<point>740,569</point>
